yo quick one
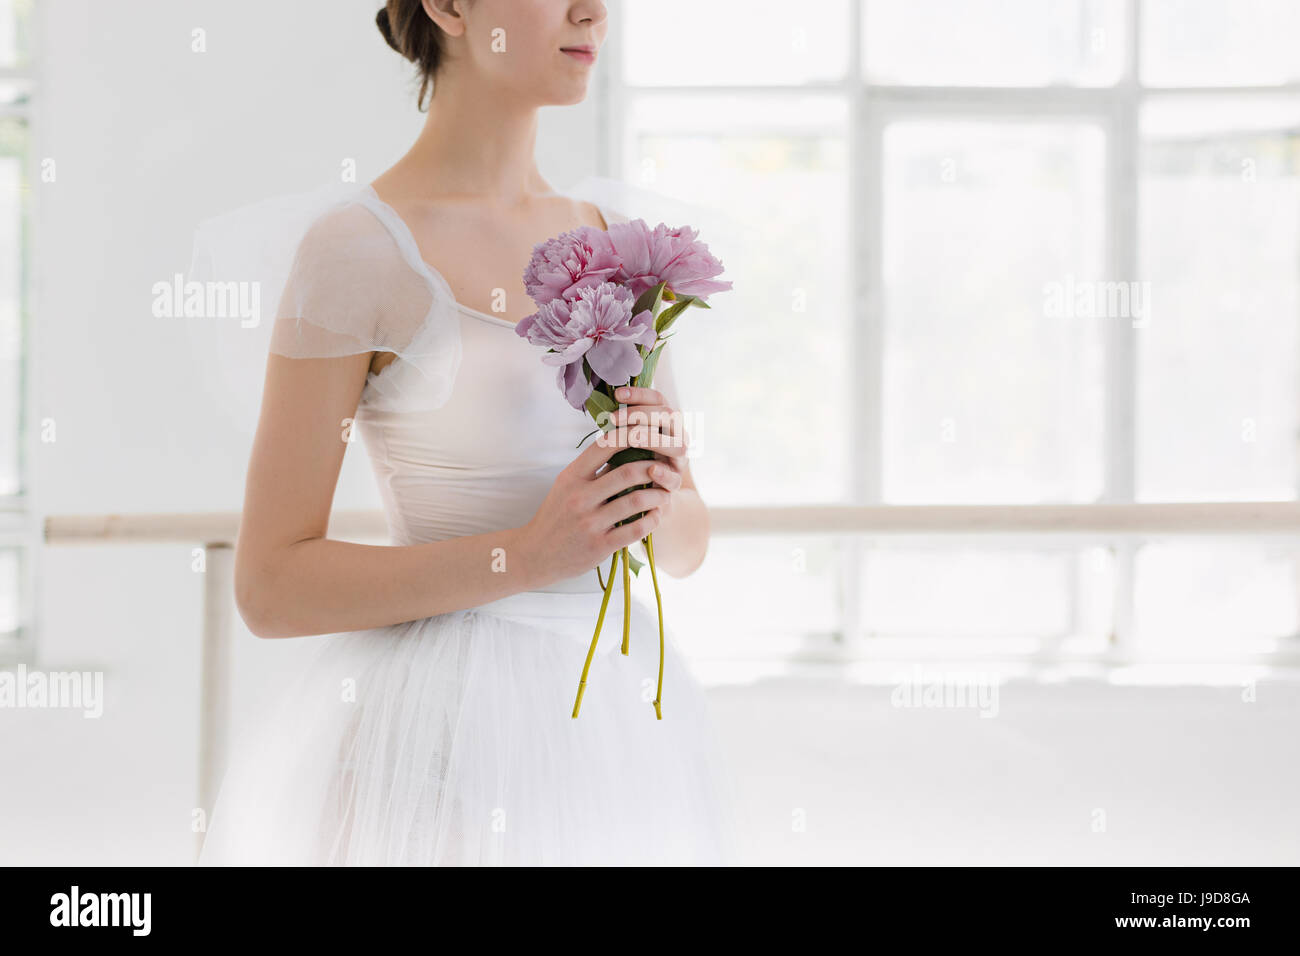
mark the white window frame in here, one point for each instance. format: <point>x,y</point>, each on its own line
<point>872,107</point>
<point>19,527</point>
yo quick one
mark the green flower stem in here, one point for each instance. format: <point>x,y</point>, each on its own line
<point>627,604</point>
<point>604,603</point>
<point>659,606</point>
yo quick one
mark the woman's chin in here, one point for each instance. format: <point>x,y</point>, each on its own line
<point>567,94</point>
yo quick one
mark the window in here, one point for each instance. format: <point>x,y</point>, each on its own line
<point>986,252</point>
<point>17,532</point>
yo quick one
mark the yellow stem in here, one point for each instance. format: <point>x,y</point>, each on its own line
<point>659,606</point>
<point>604,603</point>
<point>627,602</point>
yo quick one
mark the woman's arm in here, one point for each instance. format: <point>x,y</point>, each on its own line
<point>682,538</point>
<point>290,580</point>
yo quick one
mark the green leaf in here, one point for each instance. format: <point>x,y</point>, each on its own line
<point>648,367</point>
<point>633,563</point>
<point>599,402</point>
<point>669,315</point>
<point>649,299</point>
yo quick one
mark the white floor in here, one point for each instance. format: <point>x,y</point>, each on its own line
<point>1075,773</point>
<point>827,773</point>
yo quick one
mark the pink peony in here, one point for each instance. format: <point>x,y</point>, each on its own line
<point>573,260</point>
<point>649,256</point>
<point>595,330</point>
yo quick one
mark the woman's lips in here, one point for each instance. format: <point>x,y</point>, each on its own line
<point>584,54</point>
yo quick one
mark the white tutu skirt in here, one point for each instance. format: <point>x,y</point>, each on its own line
<point>451,741</point>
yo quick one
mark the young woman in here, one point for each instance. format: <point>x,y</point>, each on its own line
<point>434,725</point>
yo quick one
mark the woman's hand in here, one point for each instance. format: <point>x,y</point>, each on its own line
<point>650,415</point>
<point>574,529</point>
<point>682,541</point>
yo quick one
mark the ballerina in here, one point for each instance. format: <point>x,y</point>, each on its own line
<point>432,725</point>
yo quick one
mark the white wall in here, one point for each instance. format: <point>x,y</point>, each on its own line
<point>149,138</point>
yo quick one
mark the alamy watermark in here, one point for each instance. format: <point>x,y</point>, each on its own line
<point>178,299</point>
<point>56,690</point>
<point>947,690</point>
<point>1073,298</point>
<point>126,910</point>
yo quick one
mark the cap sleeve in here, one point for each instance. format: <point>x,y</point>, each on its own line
<point>355,287</point>
<point>610,215</point>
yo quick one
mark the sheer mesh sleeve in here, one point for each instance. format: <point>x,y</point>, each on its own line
<point>356,285</point>
<point>612,216</point>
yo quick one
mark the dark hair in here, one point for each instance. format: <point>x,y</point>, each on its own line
<point>409,31</point>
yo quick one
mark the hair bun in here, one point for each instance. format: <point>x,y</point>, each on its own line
<point>386,28</point>
<point>411,32</point>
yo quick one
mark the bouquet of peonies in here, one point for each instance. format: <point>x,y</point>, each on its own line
<point>605,300</point>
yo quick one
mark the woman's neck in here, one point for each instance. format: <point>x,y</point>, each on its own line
<point>474,145</point>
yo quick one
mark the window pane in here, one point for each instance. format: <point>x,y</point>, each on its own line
<point>993,390</point>
<point>993,42</point>
<point>15,92</point>
<point>768,361</point>
<point>1216,600</point>
<point>1007,600</point>
<point>13,205</point>
<point>15,24</point>
<point>10,593</point>
<point>1220,240</point>
<point>1220,42</point>
<point>768,598</point>
<point>677,42</point>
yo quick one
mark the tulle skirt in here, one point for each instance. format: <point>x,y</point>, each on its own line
<point>450,741</point>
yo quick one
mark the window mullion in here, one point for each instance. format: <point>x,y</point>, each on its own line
<point>865,172</point>
<point>1120,337</point>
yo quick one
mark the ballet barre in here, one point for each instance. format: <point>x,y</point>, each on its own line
<point>216,532</point>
